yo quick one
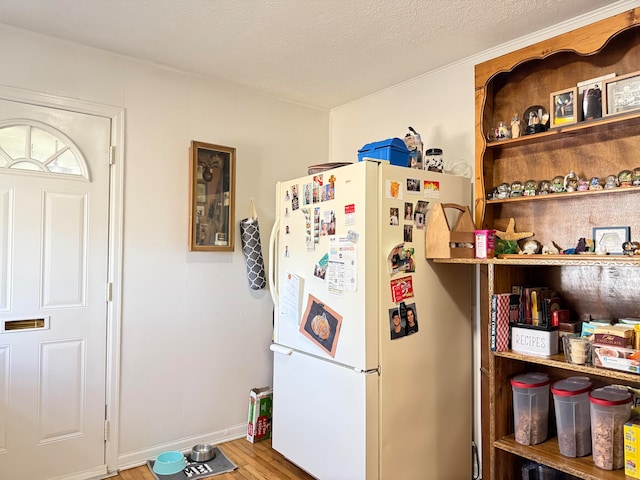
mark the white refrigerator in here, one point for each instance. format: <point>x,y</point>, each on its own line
<point>357,396</point>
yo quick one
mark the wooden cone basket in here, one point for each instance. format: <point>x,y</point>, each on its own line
<point>444,242</point>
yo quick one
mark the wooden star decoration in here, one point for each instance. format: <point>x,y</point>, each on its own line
<point>510,232</point>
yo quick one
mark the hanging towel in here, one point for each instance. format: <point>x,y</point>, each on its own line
<point>250,236</point>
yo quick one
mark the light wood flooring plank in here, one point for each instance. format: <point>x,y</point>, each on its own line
<point>255,462</point>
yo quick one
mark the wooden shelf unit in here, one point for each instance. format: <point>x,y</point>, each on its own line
<point>602,286</point>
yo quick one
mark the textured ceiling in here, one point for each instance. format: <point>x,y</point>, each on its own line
<point>322,53</point>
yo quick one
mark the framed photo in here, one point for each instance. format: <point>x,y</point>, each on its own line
<point>590,96</point>
<point>563,109</point>
<point>621,94</point>
<point>211,197</point>
<point>611,238</point>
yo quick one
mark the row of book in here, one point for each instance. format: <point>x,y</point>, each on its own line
<point>538,307</point>
<point>535,305</point>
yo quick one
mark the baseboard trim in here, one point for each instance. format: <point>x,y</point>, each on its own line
<point>140,457</point>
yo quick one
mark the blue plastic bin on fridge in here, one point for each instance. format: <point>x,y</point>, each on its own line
<point>392,149</point>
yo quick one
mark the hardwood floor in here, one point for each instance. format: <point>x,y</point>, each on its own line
<point>255,461</point>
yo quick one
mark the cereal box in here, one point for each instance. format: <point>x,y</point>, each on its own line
<point>259,418</point>
<point>632,448</point>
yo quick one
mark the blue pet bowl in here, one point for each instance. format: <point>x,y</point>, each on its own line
<point>168,463</point>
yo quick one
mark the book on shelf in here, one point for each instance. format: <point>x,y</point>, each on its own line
<point>534,305</point>
<point>550,305</point>
<point>500,314</point>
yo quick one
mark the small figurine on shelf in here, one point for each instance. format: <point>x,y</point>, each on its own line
<point>625,178</point>
<point>595,184</point>
<point>628,248</point>
<point>515,126</point>
<point>530,247</point>
<point>503,191</point>
<point>545,188</point>
<point>516,189</point>
<point>612,182</point>
<point>571,182</point>
<point>530,188</point>
<point>584,245</point>
<point>506,247</point>
<point>502,131</point>
<point>583,184</point>
<point>557,184</point>
<point>636,177</point>
<point>551,249</point>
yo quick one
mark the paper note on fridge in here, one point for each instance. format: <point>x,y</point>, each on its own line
<point>342,271</point>
<point>290,298</point>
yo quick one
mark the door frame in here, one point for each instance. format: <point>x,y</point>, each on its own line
<point>115,246</point>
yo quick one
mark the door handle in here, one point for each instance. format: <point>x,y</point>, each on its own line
<point>273,260</point>
<point>280,349</point>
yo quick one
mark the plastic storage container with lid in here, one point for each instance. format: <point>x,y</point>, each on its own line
<point>433,160</point>
<point>573,419</point>
<point>610,409</point>
<point>531,407</point>
<point>392,149</point>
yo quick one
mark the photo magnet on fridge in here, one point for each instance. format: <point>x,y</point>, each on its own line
<point>401,288</point>
<point>396,324</point>
<point>412,319</point>
<point>431,189</point>
<point>394,258</point>
<point>294,197</point>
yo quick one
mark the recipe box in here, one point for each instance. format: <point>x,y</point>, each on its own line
<point>534,341</point>
<point>259,417</point>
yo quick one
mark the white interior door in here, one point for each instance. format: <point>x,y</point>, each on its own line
<point>54,218</point>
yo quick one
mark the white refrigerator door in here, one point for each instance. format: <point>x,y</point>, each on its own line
<point>300,246</point>
<point>325,417</point>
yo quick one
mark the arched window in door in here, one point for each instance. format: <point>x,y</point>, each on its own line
<point>37,147</point>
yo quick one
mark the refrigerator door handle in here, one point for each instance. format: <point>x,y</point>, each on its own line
<point>273,274</point>
<point>280,349</point>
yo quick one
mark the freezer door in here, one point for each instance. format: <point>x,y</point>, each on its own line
<point>352,266</point>
<point>325,417</point>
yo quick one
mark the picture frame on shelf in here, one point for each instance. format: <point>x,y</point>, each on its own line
<point>563,109</point>
<point>590,97</point>
<point>211,197</point>
<point>611,238</point>
<point>621,94</point>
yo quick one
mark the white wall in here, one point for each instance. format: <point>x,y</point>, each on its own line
<point>195,338</point>
<point>440,105</point>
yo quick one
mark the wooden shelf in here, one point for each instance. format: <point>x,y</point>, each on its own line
<point>590,286</point>
<point>558,361</point>
<point>549,260</point>
<point>592,126</point>
<point>548,454</point>
<point>566,195</point>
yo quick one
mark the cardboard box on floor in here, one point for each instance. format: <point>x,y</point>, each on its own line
<point>259,418</point>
